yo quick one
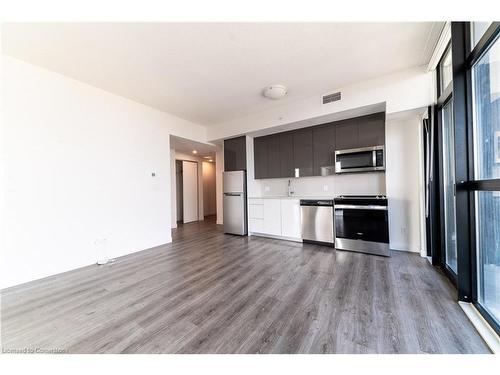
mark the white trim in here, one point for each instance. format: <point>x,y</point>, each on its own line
<point>421,190</point>
<point>482,326</point>
<point>443,41</point>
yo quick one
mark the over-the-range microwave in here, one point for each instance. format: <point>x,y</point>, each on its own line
<point>365,159</point>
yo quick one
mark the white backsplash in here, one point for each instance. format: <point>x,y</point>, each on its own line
<point>328,186</point>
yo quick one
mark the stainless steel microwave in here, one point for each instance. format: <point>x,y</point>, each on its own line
<point>365,159</point>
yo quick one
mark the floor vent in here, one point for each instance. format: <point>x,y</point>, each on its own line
<point>336,96</point>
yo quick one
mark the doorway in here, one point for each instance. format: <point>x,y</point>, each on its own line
<point>186,181</point>
<point>195,175</point>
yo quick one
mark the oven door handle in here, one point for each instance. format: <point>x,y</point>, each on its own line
<point>356,207</point>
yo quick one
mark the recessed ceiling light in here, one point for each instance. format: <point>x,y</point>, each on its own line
<point>275,91</point>
<point>195,152</point>
<point>210,160</point>
<point>207,157</point>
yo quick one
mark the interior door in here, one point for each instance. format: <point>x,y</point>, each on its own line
<point>190,191</point>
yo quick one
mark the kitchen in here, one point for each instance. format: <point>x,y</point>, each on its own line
<point>328,218</point>
<point>294,177</point>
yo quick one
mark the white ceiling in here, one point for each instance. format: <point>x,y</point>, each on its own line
<point>214,72</point>
<point>187,146</point>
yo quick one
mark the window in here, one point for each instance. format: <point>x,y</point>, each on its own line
<point>476,85</point>
<point>445,71</point>
<point>444,246</point>
<point>486,108</point>
<point>450,234</point>
<point>488,251</point>
<point>477,31</point>
<point>486,126</point>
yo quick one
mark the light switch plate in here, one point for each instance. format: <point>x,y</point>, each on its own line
<point>325,187</point>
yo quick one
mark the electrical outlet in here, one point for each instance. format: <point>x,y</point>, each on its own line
<point>267,188</point>
<point>325,187</point>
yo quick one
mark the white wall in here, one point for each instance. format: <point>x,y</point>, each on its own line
<point>219,168</point>
<point>77,164</point>
<point>173,191</point>
<point>403,180</point>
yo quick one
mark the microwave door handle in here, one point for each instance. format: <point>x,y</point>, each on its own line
<point>374,158</point>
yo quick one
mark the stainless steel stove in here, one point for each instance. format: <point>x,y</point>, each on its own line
<point>361,224</point>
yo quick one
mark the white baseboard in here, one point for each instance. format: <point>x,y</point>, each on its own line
<point>482,326</point>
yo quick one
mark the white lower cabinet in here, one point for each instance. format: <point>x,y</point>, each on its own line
<point>275,217</point>
<point>272,217</point>
<point>255,215</point>
<point>290,218</point>
<point>255,225</point>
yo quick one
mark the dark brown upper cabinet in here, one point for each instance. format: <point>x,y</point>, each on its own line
<point>273,156</point>
<point>286,155</point>
<point>303,152</point>
<point>371,130</point>
<point>261,169</point>
<point>346,134</point>
<point>312,148</point>
<point>235,155</point>
<point>359,132</point>
<point>323,147</point>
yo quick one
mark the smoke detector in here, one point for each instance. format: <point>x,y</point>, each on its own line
<point>275,92</point>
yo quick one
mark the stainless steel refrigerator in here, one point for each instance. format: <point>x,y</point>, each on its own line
<point>235,203</point>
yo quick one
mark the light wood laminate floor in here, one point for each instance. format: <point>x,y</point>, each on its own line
<point>213,293</point>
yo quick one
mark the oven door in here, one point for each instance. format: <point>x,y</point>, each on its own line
<point>366,223</point>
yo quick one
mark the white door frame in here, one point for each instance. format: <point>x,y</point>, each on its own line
<point>189,186</point>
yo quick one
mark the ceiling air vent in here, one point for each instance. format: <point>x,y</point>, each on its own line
<point>331,97</point>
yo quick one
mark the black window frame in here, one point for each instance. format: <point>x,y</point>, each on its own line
<point>444,96</point>
<point>463,60</point>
